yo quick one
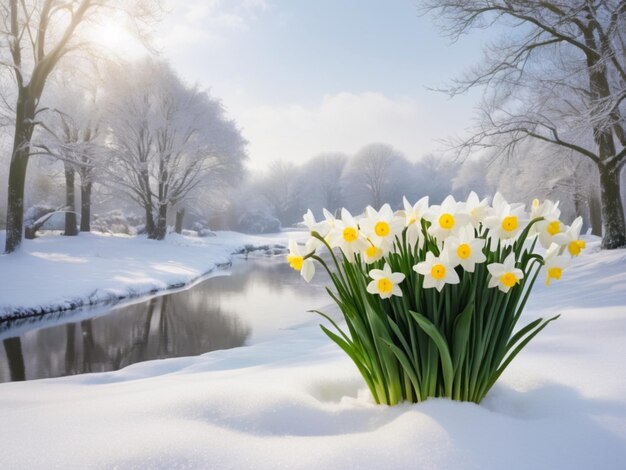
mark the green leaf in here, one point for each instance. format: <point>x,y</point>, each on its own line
<point>522,332</point>
<point>444,352</point>
<point>460,334</point>
<point>515,352</point>
<point>406,365</point>
<point>350,352</point>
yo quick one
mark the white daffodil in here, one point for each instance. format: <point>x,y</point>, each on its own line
<point>550,229</point>
<point>372,253</point>
<point>465,249</point>
<point>446,219</point>
<point>329,219</point>
<point>381,227</point>
<point>296,261</point>
<point>385,283</point>
<point>499,201</point>
<point>554,264</point>
<point>504,275</point>
<point>572,240</point>
<point>413,215</point>
<point>477,209</point>
<point>546,209</point>
<point>322,228</point>
<point>506,221</point>
<point>437,271</point>
<point>346,235</point>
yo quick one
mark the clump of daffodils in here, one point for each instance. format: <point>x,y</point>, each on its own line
<point>431,294</point>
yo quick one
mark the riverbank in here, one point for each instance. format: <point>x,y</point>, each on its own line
<point>298,402</point>
<point>54,273</point>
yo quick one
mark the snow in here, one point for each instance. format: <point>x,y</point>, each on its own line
<point>298,402</point>
<point>54,272</point>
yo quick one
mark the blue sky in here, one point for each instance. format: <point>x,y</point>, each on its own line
<point>304,77</point>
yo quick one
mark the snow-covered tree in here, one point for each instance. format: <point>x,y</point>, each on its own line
<point>166,139</point>
<point>321,183</point>
<point>471,176</point>
<point>557,76</point>
<point>432,176</point>
<point>375,175</point>
<point>281,190</point>
<point>35,35</point>
<point>73,136</point>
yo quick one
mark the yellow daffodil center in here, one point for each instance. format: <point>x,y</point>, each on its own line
<point>555,273</point>
<point>509,223</point>
<point>535,203</point>
<point>382,229</point>
<point>385,286</point>
<point>554,227</point>
<point>295,262</point>
<point>411,221</point>
<point>575,247</point>
<point>464,251</point>
<point>508,279</point>
<point>446,221</point>
<point>350,234</point>
<point>371,251</point>
<point>438,271</point>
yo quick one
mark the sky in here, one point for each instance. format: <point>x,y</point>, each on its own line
<point>304,77</point>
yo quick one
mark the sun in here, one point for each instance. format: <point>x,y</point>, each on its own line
<point>114,38</point>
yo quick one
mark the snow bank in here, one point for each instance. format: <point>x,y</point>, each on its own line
<point>298,402</point>
<point>54,273</point>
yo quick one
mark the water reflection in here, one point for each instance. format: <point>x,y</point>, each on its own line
<point>15,358</point>
<point>260,298</point>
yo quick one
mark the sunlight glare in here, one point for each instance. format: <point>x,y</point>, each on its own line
<point>115,38</point>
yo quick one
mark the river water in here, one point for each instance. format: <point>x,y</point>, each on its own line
<point>254,303</point>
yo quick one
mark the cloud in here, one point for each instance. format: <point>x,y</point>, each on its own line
<point>341,122</point>
<point>208,22</point>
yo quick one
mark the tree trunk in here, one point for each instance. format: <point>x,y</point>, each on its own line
<point>85,206</point>
<point>161,225</point>
<point>612,209</point>
<point>580,204</point>
<point>180,215</point>
<point>70,202</point>
<point>613,225</point>
<point>595,214</point>
<point>147,201</point>
<point>15,357</point>
<point>150,228</point>
<point>24,118</point>
<point>15,201</point>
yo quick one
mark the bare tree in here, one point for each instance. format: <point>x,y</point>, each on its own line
<point>529,174</point>
<point>433,177</point>
<point>320,180</point>
<point>77,150</point>
<point>72,135</point>
<point>376,175</point>
<point>282,192</point>
<point>559,76</point>
<point>35,35</point>
<point>167,139</point>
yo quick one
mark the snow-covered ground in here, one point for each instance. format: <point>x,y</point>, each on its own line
<point>298,402</point>
<point>54,273</point>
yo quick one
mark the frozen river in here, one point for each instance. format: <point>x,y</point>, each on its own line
<point>260,298</point>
